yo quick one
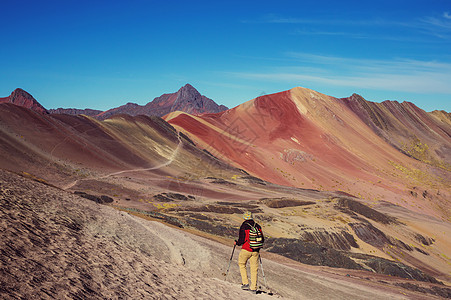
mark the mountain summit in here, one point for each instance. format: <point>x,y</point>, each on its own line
<point>22,98</point>
<point>186,99</point>
<point>191,101</point>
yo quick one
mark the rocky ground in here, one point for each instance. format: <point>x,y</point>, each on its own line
<point>56,244</point>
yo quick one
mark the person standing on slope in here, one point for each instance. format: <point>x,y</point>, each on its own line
<point>251,241</point>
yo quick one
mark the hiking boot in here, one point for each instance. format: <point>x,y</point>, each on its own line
<point>253,291</point>
<point>245,286</point>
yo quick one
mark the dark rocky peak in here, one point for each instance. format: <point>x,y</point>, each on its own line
<point>186,99</point>
<point>189,88</point>
<point>188,91</point>
<point>20,93</point>
<point>22,98</point>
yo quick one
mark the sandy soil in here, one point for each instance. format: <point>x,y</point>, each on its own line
<point>58,245</point>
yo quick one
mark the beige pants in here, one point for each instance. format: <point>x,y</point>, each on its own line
<point>253,263</point>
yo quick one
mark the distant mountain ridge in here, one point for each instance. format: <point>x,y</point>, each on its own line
<point>186,99</point>
<point>75,111</point>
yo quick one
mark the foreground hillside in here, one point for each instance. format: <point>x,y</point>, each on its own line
<point>57,245</point>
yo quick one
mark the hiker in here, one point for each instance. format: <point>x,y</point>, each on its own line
<point>251,240</point>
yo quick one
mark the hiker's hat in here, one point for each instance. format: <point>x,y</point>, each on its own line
<point>247,215</point>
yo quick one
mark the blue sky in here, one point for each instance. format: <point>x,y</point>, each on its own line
<point>102,54</point>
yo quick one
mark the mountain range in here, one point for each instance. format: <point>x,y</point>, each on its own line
<point>186,99</point>
<point>336,182</point>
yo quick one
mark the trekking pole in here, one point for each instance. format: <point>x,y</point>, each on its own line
<point>225,274</point>
<point>263,273</point>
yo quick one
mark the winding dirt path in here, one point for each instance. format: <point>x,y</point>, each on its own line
<point>165,164</point>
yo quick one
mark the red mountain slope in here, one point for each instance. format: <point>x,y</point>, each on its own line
<point>306,139</point>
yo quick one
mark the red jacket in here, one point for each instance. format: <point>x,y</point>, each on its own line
<point>243,239</point>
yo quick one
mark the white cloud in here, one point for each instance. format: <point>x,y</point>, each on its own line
<point>436,26</point>
<point>431,26</point>
<point>437,23</point>
<point>275,19</point>
<point>332,33</point>
<point>395,75</point>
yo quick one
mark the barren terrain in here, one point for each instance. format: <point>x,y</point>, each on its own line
<point>55,245</point>
<point>135,207</point>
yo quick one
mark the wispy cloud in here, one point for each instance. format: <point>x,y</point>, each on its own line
<point>351,22</point>
<point>359,35</point>
<point>371,22</point>
<point>331,33</point>
<point>282,20</point>
<point>402,75</point>
<point>443,22</point>
<point>437,26</point>
<point>392,65</point>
